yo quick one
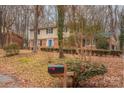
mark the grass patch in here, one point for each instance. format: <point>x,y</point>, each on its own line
<point>25,60</point>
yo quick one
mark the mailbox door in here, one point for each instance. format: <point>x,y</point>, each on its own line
<point>56,69</point>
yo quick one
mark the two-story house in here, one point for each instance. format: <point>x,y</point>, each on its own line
<point>47,37</point>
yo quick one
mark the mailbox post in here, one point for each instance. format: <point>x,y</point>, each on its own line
<point>65,77</point>
<point>59,70</point>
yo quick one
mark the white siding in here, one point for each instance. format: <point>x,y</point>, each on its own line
<point>43,34</point>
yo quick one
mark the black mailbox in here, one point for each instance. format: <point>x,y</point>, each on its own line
<point>55,69</point>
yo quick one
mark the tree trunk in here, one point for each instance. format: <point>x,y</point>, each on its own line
<point>60,10</point>
<point>35,29</point>
<point>1,35</point>
<point>91,43</point>
<point>1,40</point>
<point>61,54</point>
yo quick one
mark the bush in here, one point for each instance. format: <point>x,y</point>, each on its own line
<point>101,42</point>
<point>69,42</point>
<point>12,49</point>
<point>85,70</point>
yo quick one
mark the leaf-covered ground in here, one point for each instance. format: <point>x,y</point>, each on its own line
<point>114,76</point>
<point>30,70</point>
<point>30,74</point>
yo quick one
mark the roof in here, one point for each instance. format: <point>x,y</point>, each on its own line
<point>44,28</point>
<point>15,34</point>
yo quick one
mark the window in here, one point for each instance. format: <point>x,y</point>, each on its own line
<point>41,42</point>
<point>49,31</point>
<point>84,42</point>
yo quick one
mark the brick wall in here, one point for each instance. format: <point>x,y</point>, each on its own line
<point>43,43</point>
<point>14,38</point>
<point>18,40</point>
<point>56,43</point>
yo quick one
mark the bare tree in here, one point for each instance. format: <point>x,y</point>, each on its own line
<point>38,11</point>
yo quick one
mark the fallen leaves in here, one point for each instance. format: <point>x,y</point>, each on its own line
<point>34,73</point>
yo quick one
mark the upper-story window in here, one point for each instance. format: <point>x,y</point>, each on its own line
<point>49,31</point>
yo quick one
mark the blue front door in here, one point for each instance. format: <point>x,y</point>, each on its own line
<point>49,43</point>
